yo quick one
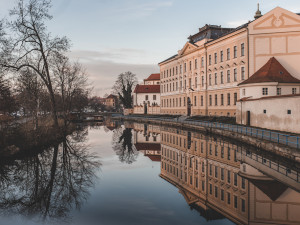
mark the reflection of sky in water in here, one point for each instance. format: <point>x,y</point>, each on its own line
<point>128,193</point>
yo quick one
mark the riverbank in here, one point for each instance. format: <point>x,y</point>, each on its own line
<point>25,137</point>
<point>278,143</point>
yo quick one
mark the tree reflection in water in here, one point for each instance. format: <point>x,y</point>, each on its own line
<point>48,185</point>
<point>123,145</point>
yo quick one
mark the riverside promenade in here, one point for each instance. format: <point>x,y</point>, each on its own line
<point>287,145</point>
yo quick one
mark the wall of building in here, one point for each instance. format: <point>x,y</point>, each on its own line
<point>276,116</point>
<point>196,73</point>
<point>140,98</point>
<point>277,33</point>
<point>152,110</point>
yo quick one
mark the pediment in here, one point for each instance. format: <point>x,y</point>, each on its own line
<point>277,18</point>
<point>188,47</point>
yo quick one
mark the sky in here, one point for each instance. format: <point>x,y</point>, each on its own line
<point>113,36</point>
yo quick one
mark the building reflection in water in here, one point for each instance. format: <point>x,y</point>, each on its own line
<point>221,179</point>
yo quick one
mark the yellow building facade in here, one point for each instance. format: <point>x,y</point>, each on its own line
<point>203,77</point>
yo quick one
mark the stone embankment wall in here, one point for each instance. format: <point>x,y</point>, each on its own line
<point>278,149</point>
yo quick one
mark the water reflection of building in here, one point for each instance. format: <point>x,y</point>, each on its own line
<point>208,173</point>
<point>147,140</point>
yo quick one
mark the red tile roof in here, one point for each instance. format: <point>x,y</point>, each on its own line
<point>111,96</point>
<point>267,97</point>
<point>155,158</point>
<point>272,71</point>
<point>147,146</point>
<point>147,89</point>
<point>153,76</point>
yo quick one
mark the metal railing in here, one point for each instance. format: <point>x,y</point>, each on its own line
<point>280,138</point>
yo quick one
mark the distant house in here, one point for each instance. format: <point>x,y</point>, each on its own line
<point>111,101</point>
<point>146,96</point>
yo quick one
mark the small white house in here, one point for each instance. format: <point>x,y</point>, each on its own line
<point>146,97</point>
<point>270,99</point>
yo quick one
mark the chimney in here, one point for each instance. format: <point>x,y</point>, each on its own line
<point>258,12</point>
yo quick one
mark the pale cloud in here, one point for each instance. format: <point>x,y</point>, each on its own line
<point>136,10</point>
<point>103,70</point>
<point>121,55</point>
<point>237,23</point>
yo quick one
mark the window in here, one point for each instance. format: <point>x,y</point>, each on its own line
<point>210,169</point>
<point>216,191</point>
<point>242,49</point>
<point>209,60</point>
<point>294,91</point>
<point>228,76</point>
<point>222,152</point>
<point>228,53</point>
<point>235,179</point>
<point>190,83</point>
<point>184,67</point>
<point>209,80</point>
<point>202,62</point>
<point>196,82</point>
<point>234,51</point>
<point>228,177</point>
<point>228,198</point>
<point>243,73</point>
<point>176,70</point>
<point>235,98</point>
<point>216,172</point>
<point>265,111</point>
<point>195,102</point>
<point>203,185</point>
<point>235,74</point>
<point>222,80</point>
<point>154,97</point>
<point>196,64</point>
<point>222,195</point>
<point>216,58</point>
<point>243,205</point>
<point>222,173</point>
<point>235,202</point>
<point>216,99</point>
<point>201,100</point>
<point>210,100</point>
<point>221,56</point>
<point>289,111</point>
<point>228,99</point>
<point>190,65</point>
<point>202,81</point>
<point>228,154</point>
<point>180,68</point>
<point>243,183</point>
<point>264,91</point>
<point>278,91</point>
<point>210,189</point>
<point>222,99</point>
<point>216,78</point>
<point>146,97</point>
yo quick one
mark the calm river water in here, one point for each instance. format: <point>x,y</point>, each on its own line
<point>140,174</point>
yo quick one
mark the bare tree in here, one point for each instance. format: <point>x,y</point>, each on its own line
<point>28,44</point>
<point>30,89</point>
<point>124,86</point>
<point>7,101</point>
<point>71,84</point>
